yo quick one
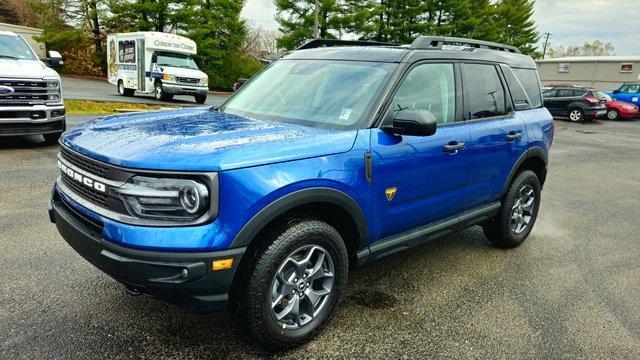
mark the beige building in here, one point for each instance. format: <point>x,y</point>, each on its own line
<point>27,33</point>
<point>600,72</point>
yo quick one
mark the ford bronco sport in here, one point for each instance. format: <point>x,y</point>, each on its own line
<point>331,157</point>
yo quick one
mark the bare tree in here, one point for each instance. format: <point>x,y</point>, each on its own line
<point>261,42</point>
<point>595,48</point>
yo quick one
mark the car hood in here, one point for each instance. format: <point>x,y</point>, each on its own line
<point>28,69</point>
<point>200,140</point>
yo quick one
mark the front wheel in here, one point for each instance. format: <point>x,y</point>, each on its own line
<point>613,114</point>
<point>200,99</point>
<point>159,94</point>
<point>576,115</point>
<point>519,211</point>
<point>292,285</point>
<point>52,139</point>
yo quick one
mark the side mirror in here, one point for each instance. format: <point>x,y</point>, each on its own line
<point>239,84</point>
<point>616,92</point>
<point>54,59</point>
<point>413,122</point>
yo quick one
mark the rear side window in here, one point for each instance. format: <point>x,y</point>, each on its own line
<point>485,94</point>
<point>531,84</point>
<point>566,93</point>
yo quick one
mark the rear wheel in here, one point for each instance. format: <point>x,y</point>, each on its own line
<point>613,114</point>
<point>123,91</point>
<point>576,115</point>
<point>291,286</point>
<point>519,211</point>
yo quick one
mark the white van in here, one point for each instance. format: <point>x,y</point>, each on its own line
<point>155,62</point>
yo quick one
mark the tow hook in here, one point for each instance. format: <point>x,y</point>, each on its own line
<point>133,290</point>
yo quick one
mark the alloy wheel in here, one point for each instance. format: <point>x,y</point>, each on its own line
<point>522,210</point>
<point>575,115</point>
<point>302,286</point>
<point>612,114</point>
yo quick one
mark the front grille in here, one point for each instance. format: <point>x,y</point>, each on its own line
<point>86,192</point>
<point>27,92</point>
<point>187,80</point>
<point>94,224</point>
<point>84,163</point>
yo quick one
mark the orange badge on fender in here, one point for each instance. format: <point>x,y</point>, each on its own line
<point>390,193</point>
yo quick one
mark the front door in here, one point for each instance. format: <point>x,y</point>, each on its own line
<point>419,180</point>
<point>498,134</point>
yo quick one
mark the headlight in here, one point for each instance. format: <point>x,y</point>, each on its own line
<point>53,84</point>
<point>205,81</point>
<point>166,199</point>
<point>168,77</point>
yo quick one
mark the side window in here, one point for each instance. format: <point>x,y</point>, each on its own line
<point>485,94</point>
<point>579,93</point>
<point>127,51</point>
<point>531,84</point>
<point>565,93</point>
<point>549,93</point>
<point>428,87</point>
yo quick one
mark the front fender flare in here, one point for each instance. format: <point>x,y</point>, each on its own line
<point>297,198</point>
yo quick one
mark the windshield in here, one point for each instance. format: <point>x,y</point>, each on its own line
<point>13,47</point>
<point>321,93</point>
<point>175,60</point>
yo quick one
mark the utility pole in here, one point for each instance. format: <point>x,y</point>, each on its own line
<point>546,43</point>
<point>315,21</point>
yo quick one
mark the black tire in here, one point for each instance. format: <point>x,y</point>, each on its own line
<point>200,99</point>
<point>251,299</point>
<point>576,115</point>
<point>500,229</point>
<point>159,94</point>
<point>52,139</point>
<point>613,114</point>
<point>123,91</point>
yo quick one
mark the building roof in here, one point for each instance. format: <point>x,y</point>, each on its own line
<point>19,28</point>
<point>570,59</point>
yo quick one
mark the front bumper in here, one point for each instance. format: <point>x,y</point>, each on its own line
<point>31,120</point>
<point>184,89</point>
<point>181,278</point>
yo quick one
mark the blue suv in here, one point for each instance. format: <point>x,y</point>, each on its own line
<point>335,155</point>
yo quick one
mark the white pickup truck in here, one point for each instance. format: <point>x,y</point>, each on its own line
<point>30,91</point>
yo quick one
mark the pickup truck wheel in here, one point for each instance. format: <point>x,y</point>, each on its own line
<point>292,285</point>
<point>51,139</point>
<point>200,99</point>
<point>513,223</point>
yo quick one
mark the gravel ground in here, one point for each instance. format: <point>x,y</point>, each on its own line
<point>571,291</point>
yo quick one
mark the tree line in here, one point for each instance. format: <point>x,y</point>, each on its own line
<point>401,21</point>
<point>78,28</point>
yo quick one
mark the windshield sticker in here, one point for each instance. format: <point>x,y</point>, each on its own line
<point>345,114</point>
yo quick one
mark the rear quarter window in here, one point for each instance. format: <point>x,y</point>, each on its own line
<point>531,84</point>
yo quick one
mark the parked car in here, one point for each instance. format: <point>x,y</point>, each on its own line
<point>350,155</point>
<point>573,102</point>
<point>628,92</point>
<point>619,109</point>
<point>30,91</point>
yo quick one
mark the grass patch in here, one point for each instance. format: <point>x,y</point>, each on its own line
<point>89,107</point>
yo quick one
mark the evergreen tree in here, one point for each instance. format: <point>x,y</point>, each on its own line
<point>515,25</point>
<point>481,23</point>
<point>296,20</point>
<point>149,15</point>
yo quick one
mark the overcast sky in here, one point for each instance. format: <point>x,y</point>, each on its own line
<point>571,22</point>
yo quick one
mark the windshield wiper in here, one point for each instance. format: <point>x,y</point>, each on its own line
<point>9,57</point>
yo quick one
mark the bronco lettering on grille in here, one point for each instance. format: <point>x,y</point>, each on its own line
<point>84,180</point>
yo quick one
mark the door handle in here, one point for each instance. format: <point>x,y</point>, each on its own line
<point>514,136</point>
<point>454,147</point>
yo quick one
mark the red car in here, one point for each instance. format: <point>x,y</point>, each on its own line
<point>620,110</point>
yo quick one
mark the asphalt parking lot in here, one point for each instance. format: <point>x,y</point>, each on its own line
<point>571,291</point>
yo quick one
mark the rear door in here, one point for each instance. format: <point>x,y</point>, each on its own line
<point>497,133</point>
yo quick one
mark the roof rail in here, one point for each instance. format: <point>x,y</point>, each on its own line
<point>436,42</point>
<point>317,43</point>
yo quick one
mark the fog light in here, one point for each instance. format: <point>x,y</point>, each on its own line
<point>222,264</point>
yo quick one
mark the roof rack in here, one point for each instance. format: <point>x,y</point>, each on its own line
<point>436,42</point>
<point>317,43</point>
